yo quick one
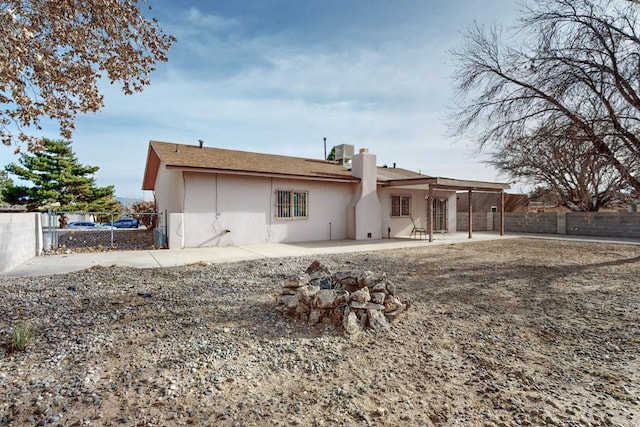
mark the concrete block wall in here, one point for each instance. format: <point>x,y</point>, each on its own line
<point>604,224</point>
<point>545,222</point>
<point>482,221</point>
<point>601,224</point>
<point>20,238</point>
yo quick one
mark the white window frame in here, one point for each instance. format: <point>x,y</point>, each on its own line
<point>400,205</point>
<point>292,204</point>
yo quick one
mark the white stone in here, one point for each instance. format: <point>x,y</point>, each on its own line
<point>361,295</point>
<point>392,304</point>
<point>308,293</point>
<point>296,282</point>
<point>351,323</point>
<point>324,298</point>
<point>378,297</point>
<point>368,278</point>
<point>292,303</point>
<point>379,287</point>
<point>377,321</point>
<point>391,288</point>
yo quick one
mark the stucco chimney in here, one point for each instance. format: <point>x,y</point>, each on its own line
<point>365,211</point>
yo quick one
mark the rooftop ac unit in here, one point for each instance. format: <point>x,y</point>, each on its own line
<point>344,153</point>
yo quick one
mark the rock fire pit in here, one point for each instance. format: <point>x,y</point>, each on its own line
<point>355,299</point>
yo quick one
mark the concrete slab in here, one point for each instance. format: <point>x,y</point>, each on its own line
<point>60,264</point>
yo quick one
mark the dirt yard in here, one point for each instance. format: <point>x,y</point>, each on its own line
<point>504,333</point>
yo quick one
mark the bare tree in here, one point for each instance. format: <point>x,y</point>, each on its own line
<point>54,52</point>
<point>556,156</point>
<point>578,60</point>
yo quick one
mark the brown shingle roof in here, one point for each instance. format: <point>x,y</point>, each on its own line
<point>389,174</point>
<point>232,161</point>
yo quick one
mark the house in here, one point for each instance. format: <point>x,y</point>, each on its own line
<point>219,197</point>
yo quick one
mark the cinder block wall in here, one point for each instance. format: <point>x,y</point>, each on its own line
<point>606,224</point>
<point>531,223</point>
<point>482,221</point>
<point>20,238</point>
<point>601,224</point>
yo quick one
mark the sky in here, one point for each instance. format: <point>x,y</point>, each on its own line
<point>278,76</point>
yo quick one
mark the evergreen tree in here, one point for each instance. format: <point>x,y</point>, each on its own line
<point>5,182</point>
<point>332,154</point>
<point>58,178</point>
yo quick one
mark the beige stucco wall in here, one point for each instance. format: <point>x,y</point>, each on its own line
<point>20,238</point>
<point>364,213</point>
<point>452,206</point>
<point>401,227</point>
<point>232,210</point>
<point>169,190</point>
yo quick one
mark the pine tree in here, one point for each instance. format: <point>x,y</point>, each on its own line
<point>5,182</point>
<point>59,180</point>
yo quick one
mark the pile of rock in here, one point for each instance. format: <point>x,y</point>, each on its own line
<point>354,299</point>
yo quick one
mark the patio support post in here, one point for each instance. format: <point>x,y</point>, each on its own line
<point>502,213</point>
<point>430,214</point>
<point>470,213</point>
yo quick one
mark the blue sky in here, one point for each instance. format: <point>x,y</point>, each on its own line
<point>276,76</point>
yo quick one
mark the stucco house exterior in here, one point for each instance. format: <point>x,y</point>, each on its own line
<point>218,197</point>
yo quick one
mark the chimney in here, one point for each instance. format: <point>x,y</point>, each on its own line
<point>201,143</point>
<point>364,214</point>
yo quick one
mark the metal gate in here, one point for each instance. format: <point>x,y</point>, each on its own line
<point>103,231</point>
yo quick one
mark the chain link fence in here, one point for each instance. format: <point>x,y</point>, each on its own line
<point>66,232</point>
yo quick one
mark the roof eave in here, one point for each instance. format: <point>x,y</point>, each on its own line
<point>264,174</point>
<point>151,169</point>
<point>447,184</point>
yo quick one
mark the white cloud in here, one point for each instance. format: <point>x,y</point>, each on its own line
<point>384,85</point>
<point>209,22</point>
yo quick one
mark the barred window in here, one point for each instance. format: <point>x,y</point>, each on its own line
<point>292,204</point>
<point>400,205</point>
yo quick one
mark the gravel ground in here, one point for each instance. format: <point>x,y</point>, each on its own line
<point>501,333</point>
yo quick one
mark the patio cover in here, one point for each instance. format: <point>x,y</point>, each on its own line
<point>429,184</point>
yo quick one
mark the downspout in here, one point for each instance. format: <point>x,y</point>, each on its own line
<point>502,212</point>
<point>470,212</point>
<point>430,214</point>
<point>271,203</point>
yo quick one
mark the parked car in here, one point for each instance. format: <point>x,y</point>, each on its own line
<point>84,224</point>
<point>125,222</point>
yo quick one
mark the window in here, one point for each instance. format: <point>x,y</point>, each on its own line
<point>292,204</point>
<point>400,205</point>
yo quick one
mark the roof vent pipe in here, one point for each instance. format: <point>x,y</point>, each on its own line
<point>201,143</point>
<point>325,148</point>
<point>394,165</point>
<point>177,148</point>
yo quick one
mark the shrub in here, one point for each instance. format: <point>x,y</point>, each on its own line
<point>23,333</point>
<point>151,219</point>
